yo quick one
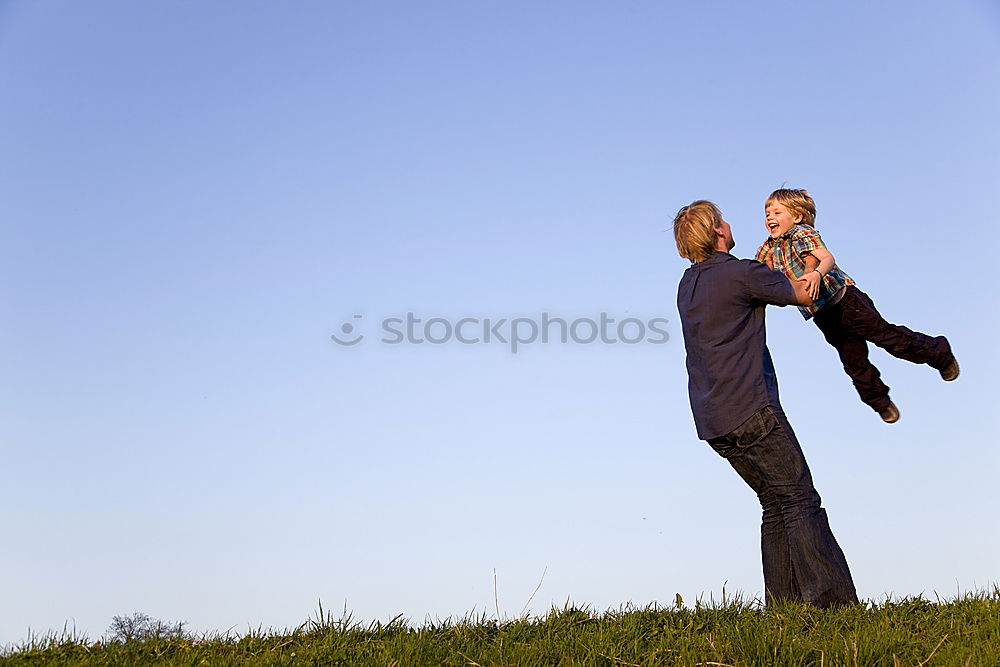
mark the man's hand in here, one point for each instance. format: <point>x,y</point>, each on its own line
<point>812,281</point>
<point>802,297</point>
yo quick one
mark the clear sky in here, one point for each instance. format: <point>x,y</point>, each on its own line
<point>195,196</point>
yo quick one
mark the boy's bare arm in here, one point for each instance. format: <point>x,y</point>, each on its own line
<point>818,263</point>
<point>824,260</point>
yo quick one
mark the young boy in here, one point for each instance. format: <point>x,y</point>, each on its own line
<point>846,315</point>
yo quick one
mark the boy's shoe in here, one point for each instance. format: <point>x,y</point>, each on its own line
<point>950,372</point>
<point>891,413</point>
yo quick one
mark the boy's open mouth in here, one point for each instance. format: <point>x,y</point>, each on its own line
<point>772,226</point>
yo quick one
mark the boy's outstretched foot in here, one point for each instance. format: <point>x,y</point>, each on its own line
<point>891,413</point>
<point>950,372</point>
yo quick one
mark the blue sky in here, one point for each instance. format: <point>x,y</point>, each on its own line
<point>195,196</point>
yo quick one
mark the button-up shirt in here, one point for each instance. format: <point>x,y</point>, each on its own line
<point>730,374</point>
<point>789,251</point>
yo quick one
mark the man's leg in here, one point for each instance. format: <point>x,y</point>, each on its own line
<point>801,557</point>
<point>863,319</point>
<point>853,351</point>
<point>779,577</point>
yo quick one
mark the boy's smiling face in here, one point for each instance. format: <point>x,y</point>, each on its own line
<point>779,219</point>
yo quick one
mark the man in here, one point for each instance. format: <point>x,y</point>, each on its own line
<point>734,398</point>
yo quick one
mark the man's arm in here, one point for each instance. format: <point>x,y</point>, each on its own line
<point>801,289</point>
<point>767,286</point>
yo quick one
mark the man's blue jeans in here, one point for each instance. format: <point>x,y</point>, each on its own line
<point>802,560</point>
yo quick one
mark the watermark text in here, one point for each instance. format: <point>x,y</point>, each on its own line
<point>512,332</point>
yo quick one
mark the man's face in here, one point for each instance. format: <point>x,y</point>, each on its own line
<point>779,219</point>
<point>726,234</point>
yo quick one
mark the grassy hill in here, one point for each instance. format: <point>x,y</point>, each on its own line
<point>914,632</point>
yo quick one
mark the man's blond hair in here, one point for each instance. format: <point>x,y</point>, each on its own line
<point>798,202</point>
<point>695,230</point>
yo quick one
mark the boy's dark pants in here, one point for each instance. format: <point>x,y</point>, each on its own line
<point>802,560</point>
<point>852,321</point>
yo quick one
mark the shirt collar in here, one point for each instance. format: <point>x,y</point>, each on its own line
<point>715,258</point>
<point>789,233</point>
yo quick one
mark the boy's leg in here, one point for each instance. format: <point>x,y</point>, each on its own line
<point>863,319</point>
<point>853,351</point>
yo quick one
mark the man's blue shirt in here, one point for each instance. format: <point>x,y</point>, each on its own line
<point>730,374</point>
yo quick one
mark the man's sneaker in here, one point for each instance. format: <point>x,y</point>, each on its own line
<point>890,414</point>
<point>950,372</point>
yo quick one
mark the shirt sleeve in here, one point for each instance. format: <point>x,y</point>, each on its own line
<point>806,239</point>
<point>767,286</point>
<point>762,250</point>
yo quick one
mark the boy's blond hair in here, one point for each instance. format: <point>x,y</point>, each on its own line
<point>694,230</point>
<point>798,202</point>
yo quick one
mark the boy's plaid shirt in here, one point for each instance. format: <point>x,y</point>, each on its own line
<point>788,251</point>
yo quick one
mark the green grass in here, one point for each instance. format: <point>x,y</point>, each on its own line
<point>912,632</point>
